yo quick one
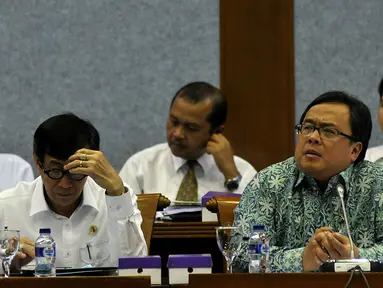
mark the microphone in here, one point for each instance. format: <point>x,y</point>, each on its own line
<point>345,265</point>
<point>340,190</point>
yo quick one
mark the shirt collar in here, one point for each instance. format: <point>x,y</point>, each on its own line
<point>177,162</point>
<point>38,203</point>
<point>300,178</point>
<point>206,161</point>
<point>345,175</point>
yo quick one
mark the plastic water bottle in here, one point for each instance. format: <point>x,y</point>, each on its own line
<point>258,251</point>
<point>45,252</point>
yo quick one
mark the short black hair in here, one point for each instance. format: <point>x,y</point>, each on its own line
<point>196,92</point>
<point>62,135</point>
<point>380,89</point>
<point>360,116</point>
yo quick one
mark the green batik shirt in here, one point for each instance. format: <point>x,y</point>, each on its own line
<point>291,207</point>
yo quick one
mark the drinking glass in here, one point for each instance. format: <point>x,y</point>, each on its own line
<point>9,245</point>
<point>228,243</point>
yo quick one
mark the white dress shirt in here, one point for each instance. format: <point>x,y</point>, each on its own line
<point>116,219</point>
<point>14,169</point>
<point>157,170</point>
<point>375,154</point>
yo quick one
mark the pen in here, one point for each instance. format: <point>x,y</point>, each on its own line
<point>87,247</point>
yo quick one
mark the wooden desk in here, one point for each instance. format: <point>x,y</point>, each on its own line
<point>277,280</point>
<point>75,282</point>
<point>185,238</point>
<point>167,230</point>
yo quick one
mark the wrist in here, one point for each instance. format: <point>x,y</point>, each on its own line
<point>117,190</point>
<point>230,172</point>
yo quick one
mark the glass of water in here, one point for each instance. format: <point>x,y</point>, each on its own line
<point>9,245</point>
<point>227,240</point>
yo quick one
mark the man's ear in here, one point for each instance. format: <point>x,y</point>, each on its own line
<point>37,163</point>
<point>356,150</point>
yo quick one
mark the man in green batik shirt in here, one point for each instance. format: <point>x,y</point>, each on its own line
<point>297,200</point>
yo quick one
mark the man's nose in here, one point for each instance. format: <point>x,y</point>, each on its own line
<point>179,132</point>
<point>66,182</point>
<point>314,138</point>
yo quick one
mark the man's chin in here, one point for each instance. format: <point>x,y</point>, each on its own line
<point>185,153</point>
<point>66,197</point>
<point>180,155</point>
<point>178,151</point>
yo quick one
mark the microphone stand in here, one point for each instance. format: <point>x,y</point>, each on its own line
<point>344,265</point>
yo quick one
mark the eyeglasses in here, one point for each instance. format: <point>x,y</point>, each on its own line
<point>57,174</point>
<point>326,132</point>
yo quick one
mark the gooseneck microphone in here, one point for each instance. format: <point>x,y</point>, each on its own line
<point>340,190</point>
<point>344,265</point>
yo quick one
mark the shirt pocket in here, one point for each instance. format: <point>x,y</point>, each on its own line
<point>95,253</point>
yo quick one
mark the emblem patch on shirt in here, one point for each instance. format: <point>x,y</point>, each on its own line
<point>93,230</point>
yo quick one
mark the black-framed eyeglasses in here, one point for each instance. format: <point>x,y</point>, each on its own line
<point>57,174</point>
<point>325,132</point>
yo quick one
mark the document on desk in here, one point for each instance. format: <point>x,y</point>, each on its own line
<point>185,203</point>
<point>173,210</point>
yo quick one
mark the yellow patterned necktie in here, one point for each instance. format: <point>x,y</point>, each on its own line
<point>188,190</point>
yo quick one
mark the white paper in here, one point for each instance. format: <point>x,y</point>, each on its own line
<point>172,210</point>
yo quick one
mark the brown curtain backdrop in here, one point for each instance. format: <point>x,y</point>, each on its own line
<point>257,74</point>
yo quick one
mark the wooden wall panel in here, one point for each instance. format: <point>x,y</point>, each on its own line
<point>257,74</point>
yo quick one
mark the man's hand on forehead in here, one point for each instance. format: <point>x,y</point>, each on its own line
<point>94,164</point>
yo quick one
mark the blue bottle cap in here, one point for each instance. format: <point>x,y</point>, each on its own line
<point>258,228</point>
<point>45,230</point>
